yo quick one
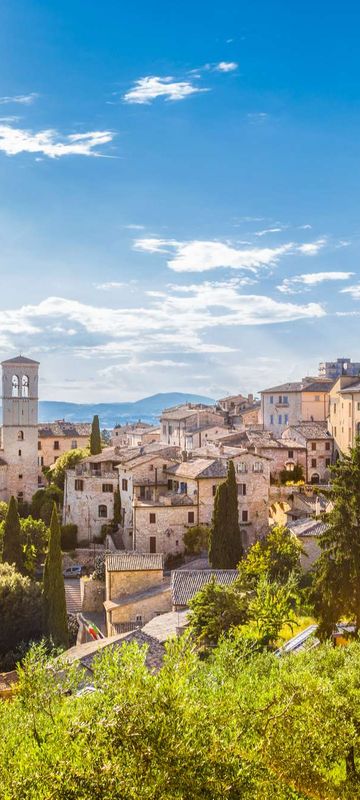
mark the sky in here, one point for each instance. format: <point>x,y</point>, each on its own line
<point>179,193</point>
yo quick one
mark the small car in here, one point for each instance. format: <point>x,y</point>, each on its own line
<point>75,571</point>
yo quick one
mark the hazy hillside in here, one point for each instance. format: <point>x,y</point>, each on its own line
<point>148,409</point>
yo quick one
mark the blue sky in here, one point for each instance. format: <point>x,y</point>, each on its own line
<point>179,202</point>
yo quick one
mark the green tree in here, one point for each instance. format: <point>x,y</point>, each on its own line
<point>34,536</point>
<point>43,500</point>
<point>53,587</point>
<point>67,461</point>
<point>196,539</point>
<point>337,571</point>
<point>11,550</point>
<point>271,607</point>
<point>276,556</point>
<point>3,510</point>
<point>20,610</point>
<point>117,506</point>
<point>225,546</point>
<point>95,437</point>
<point>215,610</point>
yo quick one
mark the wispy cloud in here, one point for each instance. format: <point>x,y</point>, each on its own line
<point>354,291</point>
<point>268,230</point>
<point>21,99</point>
<point>226,66</point>
<point>312,248</point>
<point>147,89</point>
<point>301,283</point>
<point>50,143</point>
<point>199,256</point>
<point>109,285</point>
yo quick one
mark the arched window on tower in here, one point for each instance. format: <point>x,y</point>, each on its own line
<point>21,436</point>
<point>15,386</point>
<point>25,386</point>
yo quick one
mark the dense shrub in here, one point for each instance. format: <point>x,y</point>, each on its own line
<point>21,609</point>
<point>69,536</point>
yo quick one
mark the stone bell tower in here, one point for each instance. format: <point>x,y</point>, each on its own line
<point>19,434</point>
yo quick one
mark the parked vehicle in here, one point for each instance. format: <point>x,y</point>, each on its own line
<point>75,571</point>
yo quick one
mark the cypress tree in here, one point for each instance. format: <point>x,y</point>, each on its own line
<point>337,570</point>
<point>12,550</point>
<point>95,437</point>
<point>117,506</point>
<point>54,590</point>
<point>225,546</point>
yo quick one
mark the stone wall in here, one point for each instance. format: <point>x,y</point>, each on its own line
<point>47,453</point>
<point>81,508</point>
<point>92,594</point>
<point>119,584</point>
<point>146,608</point>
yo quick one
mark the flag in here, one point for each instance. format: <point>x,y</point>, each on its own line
<point>90,627</point>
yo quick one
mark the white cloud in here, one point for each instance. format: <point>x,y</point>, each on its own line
<point>354,291</point>
<point>50,143</point>
<point>109,285</point>
<point>149,88</point>
<point>312,248</point>
<point>226,66</point>
<point>22,99</point>
<point>301,283</point>
<point>199,256</point>
<point>268,230</point>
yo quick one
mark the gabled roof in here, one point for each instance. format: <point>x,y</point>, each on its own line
<point>307,527</point>
<point>306,385</point>
<point>186,583</point>
<point>62,428</point>
<point>310,430</point>
<point>182,412</point>
<point>19,360</point>
<point>200,468</point>
<point>133,562</point>
<point>85,653</point>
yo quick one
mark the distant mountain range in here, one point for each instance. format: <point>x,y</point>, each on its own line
<point>148,409</point>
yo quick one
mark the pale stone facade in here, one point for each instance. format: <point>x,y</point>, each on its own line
<point>344,417</point>
<point>290,403</point>
<point>57,438</point>
<point>177,422</point>
<point>319,446</point>
<point>136,590</point>
<point>19,432</point>
<point>89,494</point>
<point>134,434</point>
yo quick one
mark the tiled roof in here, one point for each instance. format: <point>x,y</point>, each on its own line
<point>137,597</point>
<point>62,428</point>
<point>199,468</point>
<point>165,626</point>
<point>182,412</point>
<point>307,527</point>
<point>85,653</point>
<point>107,454</point>
<point>311,430</point>
<point>186,583</point>
<point>306,385</point>
<point>126,562</point>
<point>354,387</point>
<point>19,360</point>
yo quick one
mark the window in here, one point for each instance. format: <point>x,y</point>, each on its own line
<point>107,487</point>
<point>241,467</point>
<point>183,487</point>
<point>327,445</point>
<point>170,484</point>
<point>164,467</point>
<point>271,419</point>
<point>20,436</point>
<point>79,485</point>
<point>317,398</point>
<point>20,496</point>
<point>138,618</point>
<point>271,399</point>
<point>241,489</point>
<point>245,516</point>
<point>327,462</point>
<point>170,430</point>
<point>25,386</point>
<point>257,467</point>
<point>152,518</point>
<point>103,511</point>
<point>15,386</point>
<point>20,477</point>
<point>191,517</point>
<point>74,444</point>
<point>313,445</point>
<point>358,406</point>
<point>152,543</point>
<point>286,419</point>
<point>164,430</point>
<point>280,419</point>
<point>56,445</point>
<point>313,463</point>
<point>39,445</point>
<point>214,488</point>
<point>283,400</point>
<point>334,431</point>
<point>151,467</point>
<point>41,461</point>
<point>39,480</point>
<point>124,485</point>
<point>335,407</point>
<point>290,454</point>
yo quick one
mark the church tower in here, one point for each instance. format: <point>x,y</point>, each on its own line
<point>19,434</point>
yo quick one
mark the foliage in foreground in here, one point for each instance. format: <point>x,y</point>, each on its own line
<point>21,612</point>
<point>236,727</point>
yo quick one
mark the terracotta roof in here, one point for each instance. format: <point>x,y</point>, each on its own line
<point>62,428</point>
<point>126,562</point>
<point>20,360</point>
<point>199,468</point>
<point>186,583</point>
<point>311,430</point>
<point>182,412</point>
<point>107,454</point>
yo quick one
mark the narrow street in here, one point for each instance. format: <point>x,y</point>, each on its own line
<point>72,593</point>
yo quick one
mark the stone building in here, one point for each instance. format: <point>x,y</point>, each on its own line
<point>186,583</point>
<point>135,434</point>
<point>340,367</point>
<point>89,494</point>
<point>136,590</point>
<point>19,431</point>
<point>177,422</point>
<point>344,417</point>
<point>57,438</point>
<point>319,445</point>
<point>291,403</point>
<point>283,454</point>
